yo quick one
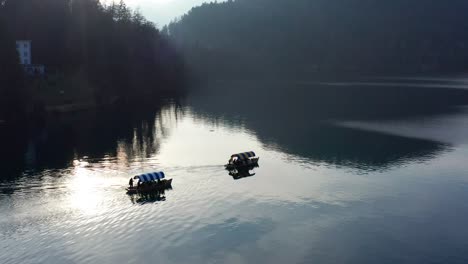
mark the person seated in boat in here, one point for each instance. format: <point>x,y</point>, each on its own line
<point>130,182</point>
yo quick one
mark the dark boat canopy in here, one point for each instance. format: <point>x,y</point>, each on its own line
<point>150,176</point>
<point>244,156</point>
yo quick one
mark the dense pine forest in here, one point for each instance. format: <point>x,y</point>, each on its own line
<point>92,52</point>
<point>303,37</point>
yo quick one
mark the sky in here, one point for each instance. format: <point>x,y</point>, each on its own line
<point>162,12</point>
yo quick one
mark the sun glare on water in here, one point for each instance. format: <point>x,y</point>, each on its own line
<point>85,194</point>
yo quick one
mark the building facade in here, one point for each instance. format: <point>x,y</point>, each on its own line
<point>23,47</point>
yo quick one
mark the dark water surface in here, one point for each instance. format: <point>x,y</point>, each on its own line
<point>349,173</point>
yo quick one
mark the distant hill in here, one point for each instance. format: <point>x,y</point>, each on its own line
<point>325,36</point>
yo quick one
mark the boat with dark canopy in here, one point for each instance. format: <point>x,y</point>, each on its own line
<point>242,160</point>
<point>150,182</point>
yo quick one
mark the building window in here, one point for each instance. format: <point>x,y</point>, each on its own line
<point>25,53</point>
<point>25,45</point>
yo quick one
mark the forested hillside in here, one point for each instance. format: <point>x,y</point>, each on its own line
<point>325,36</point>
<point>104,51</point>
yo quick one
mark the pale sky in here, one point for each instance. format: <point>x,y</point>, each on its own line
<point>162,12</point>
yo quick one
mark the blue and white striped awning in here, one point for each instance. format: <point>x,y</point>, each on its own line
<point>244,156</point>
<point>150,176</point>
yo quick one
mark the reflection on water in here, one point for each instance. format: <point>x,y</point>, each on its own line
<point>240,173</point>
<point>151,197</point>
<point>335,185</point>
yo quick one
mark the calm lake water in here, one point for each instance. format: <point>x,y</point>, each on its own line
<point>372,171</point>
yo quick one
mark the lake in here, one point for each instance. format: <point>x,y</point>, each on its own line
<point>362,171</point>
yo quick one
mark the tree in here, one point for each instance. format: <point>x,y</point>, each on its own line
<point>303,36</point>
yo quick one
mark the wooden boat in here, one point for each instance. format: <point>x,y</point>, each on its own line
<point>242,160</point>
<point>150,182</point>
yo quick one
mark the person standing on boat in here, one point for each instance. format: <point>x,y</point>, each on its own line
<point>130,182</point>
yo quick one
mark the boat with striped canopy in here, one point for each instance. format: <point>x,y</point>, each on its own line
<point>242,160</point>
<point>154,176</point>
<point>244,156</point>
<point>149,182</point>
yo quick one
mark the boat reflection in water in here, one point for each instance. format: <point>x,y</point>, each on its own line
<point>148,197</point>
<point>243,172</point>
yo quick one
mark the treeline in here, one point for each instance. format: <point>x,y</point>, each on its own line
<point>322,36</point>
<point>110,50</point>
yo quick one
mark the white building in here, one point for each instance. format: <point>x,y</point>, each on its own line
<point>23,47</point>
